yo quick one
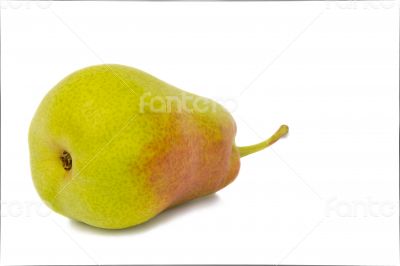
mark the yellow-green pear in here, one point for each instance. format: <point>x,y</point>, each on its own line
<point>113,146</point>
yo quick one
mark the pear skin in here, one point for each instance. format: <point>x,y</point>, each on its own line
<point>113,146</point>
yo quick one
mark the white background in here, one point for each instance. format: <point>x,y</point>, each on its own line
<point>326,194</point>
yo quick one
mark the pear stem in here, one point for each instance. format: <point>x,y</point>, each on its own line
<point>246,150</point>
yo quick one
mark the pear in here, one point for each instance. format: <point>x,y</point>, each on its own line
<point>113,146</point>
